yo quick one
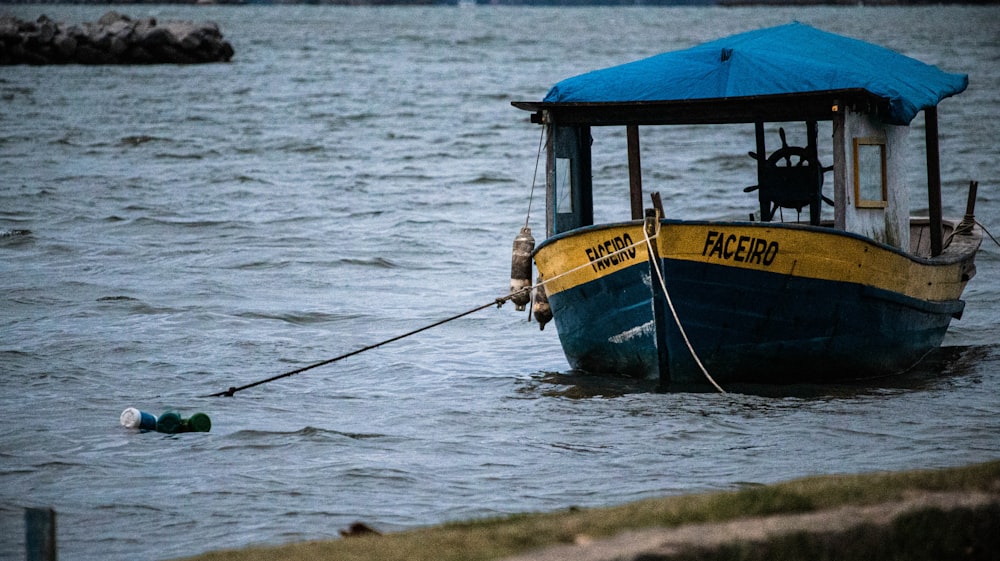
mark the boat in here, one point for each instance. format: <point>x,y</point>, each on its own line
<point>808,288</point>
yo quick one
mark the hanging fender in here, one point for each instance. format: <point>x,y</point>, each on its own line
<point>520,268</point>
<point>541,309</point>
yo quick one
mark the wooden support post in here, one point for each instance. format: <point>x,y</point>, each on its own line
<point>634,171</point>
<point>970,202</point>
<point>40,534</point>
<point>657,203</point>
<point>933,180</point>
<point>550,178</point>
<point>765,207</point>
<point>659,299</point>
<point>840,186</point>
<point>812,152</point>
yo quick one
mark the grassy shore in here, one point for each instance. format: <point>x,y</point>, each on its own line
<point>515,535</point>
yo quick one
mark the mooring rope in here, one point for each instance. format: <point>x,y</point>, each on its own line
<point>964,228</point>
<point>229,393</point>
<point>585,265</point>
<point>498,302</point>
<point>988,233</point>
<point>673,311</point>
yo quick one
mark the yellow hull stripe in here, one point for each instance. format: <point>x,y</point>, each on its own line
<point>595,253</point>
<point>589,255</point>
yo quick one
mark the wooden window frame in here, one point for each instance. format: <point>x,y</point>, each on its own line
<point>860,202</point>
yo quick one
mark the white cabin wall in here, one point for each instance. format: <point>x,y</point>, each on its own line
<point>890,225</point>
<point>897,216</point>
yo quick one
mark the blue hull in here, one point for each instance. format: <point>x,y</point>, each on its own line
<point>606,325</point>
<point>745,326</point>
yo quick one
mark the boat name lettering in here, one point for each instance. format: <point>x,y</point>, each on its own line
<point>611,252</point>
<point>743,249</point>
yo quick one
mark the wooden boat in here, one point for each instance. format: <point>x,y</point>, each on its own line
<point>866,292</point>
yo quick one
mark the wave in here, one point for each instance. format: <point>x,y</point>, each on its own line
<point>187,156</point>
<point>255,438</point>
<point>376,262</point>
<point>117,299</point>
<point>490,179</point>
<point>139,140</point>
<point>305,318</point>
<point>148,220</point>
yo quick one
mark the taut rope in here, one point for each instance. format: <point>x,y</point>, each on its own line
<point>229,393</point>
<point>498,302</point>
<point>673,311</point>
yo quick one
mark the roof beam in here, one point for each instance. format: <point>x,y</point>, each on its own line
<point>814,106</point>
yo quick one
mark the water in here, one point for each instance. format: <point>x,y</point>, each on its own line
<point>356,173</point>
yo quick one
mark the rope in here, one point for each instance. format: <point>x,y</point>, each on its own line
<point>988,233</point>
<point>534,177</point>
<point>964,227</point>
<point>527,215</point>
<point>673,311</point>
<point>585,265</point>
<point>500,302</point>
<point>229,393</point>
<point>497,302</point>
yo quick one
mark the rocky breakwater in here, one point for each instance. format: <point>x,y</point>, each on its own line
<point>113,39</point>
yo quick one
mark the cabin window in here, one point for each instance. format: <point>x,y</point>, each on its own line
<point>569,192</point>
<point>870,184</point>
<point>564,194</point>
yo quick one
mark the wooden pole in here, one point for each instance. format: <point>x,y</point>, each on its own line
<point>659,303</point>
<point>765,206</point>
<point>933,180</point>
<point>550,178</point>
<point>812,152</point>
<point>634,171</point>
<point>40,534</point>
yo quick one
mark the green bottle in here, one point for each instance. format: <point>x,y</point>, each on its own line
<point>170,422</point>
<point>199,422</point>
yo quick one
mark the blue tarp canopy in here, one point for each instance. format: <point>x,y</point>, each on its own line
<point>789,59</point>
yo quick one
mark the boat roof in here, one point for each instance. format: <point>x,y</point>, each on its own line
<point>789,72</point>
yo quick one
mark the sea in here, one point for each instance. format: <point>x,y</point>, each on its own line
<point>358,173</point>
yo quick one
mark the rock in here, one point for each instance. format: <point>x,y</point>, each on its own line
<point>66,45</point>
<point>121,28</point>
<point>111,18</point>
<point>357,529</point>
<point>46,29</point>
<point>9,30</point>
<point>139,55</point>
<point>156,37</point>
<point>113,39</point>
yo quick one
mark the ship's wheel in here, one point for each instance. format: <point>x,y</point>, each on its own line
<point>790,178</point>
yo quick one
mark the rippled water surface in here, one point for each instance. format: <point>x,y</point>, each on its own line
<point>355,173</point>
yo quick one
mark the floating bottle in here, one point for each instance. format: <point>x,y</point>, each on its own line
<point>199,422</point>
<point>170,422</point>
<point>134,419</point>
<point>520,268</point>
